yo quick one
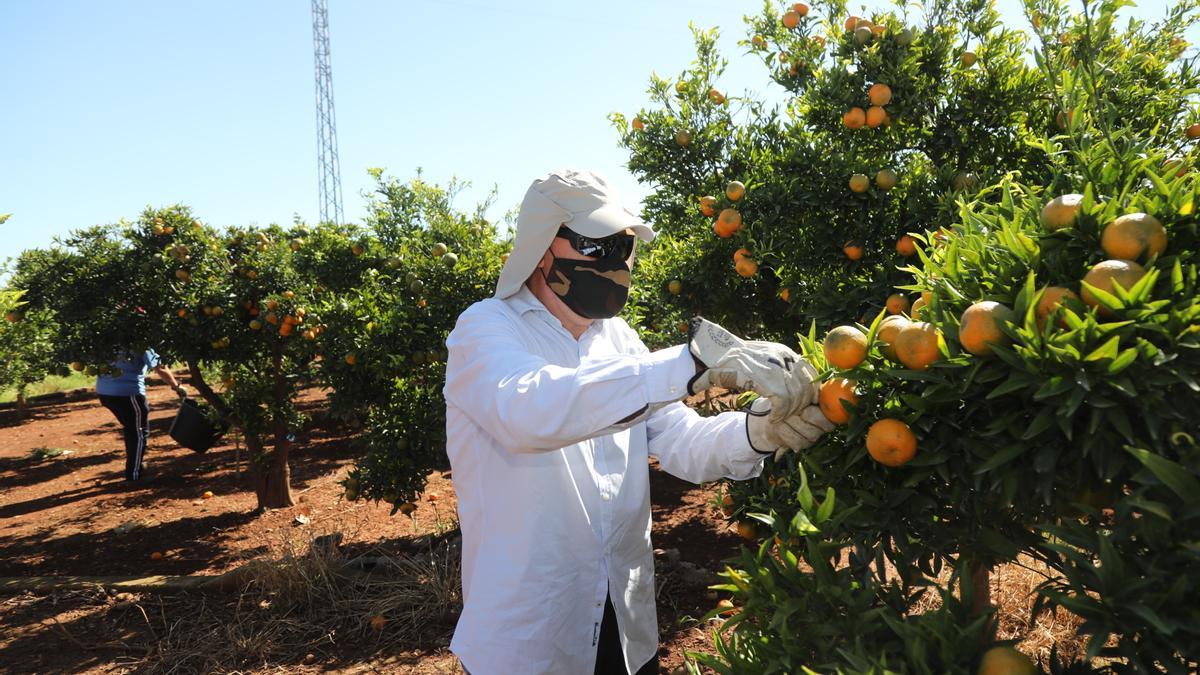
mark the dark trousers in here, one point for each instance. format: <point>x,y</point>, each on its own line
<point>609,659</point>
<point>134,416</point>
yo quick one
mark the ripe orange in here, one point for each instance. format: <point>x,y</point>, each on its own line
<point>853,250</point>
<point>208,494</point>
<point>878,29</point>
<point>886,334</point>
<point>741,253</point>
<point>286,329</point>
<point>716,96</point>
<point>683,138</point>
<point>845,347</point>
<point>182,313</point>
<point>852,22</point>
<point>1005,661</point>
<point>1103,275</point>
<point>886,179</point>
<point>891,442</point>
<point>877,116</point>
<point>1193,131</point>
<point>735,190</point>
<point>1061,211</point>
<point>1133,236</point>
<point>833,392</point>
<point>637,124</point>
<point>351,359</point>
<point>979,329</point>
<point>726,607</point>
<point>906,246</point>
<point>727,223</point>
<point>746,267</point>
<point>1052,299</point>
<point>854,118</point>
<point>708,205</point>
<point>791,19</point>
<point>917,345</point>
<point>746,530</point>
<point>785,294</point>
<point>897,304</point>
<point>759,42</point>
<point>918,305</point>
<point>157,555</point>
<point>1177,164</point>
<point>800,8</point>
<point>859,183</point>
<point>728,507</point>
<point>968,59</point>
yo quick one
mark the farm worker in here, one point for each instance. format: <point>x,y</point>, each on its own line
<point>125,396</point>
<point>553,407</point>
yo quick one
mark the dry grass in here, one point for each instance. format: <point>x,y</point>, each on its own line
<point>314,602</point>
<point>1013,591</point>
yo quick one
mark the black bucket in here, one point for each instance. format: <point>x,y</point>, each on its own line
<point>192,429</point>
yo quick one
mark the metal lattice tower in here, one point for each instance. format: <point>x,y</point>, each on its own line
<point>330,179</point>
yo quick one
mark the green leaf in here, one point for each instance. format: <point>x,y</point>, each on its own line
<point>1171,474</point>
<point>1108,350</point>
<point>1001,457</point>
<point>1123,361</point>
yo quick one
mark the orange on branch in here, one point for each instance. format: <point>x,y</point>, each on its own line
<point>1134,236</point>
<point>854,118</point>
<point>980,330</point>
<point>897,304</point>
<point>1061,211</point>
<point>1104,275</point>
<point>917,345</point>
<point>845,347</point>
<point>886,334</point>
<point>1052,298</point>
<point>891,442</point>
<point>877,116</point>
<point>906,246</point>
<point>832,393</point>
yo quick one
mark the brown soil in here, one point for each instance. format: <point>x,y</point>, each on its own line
<point>74,515</point>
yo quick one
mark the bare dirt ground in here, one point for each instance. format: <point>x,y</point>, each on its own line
<point>72,514</point>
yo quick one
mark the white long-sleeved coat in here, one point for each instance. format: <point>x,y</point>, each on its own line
<point>549,439</point>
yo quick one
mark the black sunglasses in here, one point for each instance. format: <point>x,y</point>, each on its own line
<point>619,245</point>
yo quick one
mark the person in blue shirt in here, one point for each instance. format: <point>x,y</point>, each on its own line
<point>125,396</point>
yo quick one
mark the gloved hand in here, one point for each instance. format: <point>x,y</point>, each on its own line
<point>181,392</point>
<point>771,369</point>
<point>796,432</point>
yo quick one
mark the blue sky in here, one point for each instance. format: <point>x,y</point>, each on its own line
<point>113,106</point>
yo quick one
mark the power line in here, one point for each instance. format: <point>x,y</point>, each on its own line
<point>328,166</point>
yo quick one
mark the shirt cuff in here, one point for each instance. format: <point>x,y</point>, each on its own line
<point>665,374</point>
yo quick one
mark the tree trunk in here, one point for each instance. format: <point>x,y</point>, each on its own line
<point>273,480</point>
<point>978,579</point>
<point>22,404</point>
<point>272,476</point>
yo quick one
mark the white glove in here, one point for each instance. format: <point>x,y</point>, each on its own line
<point>769,368</point>
<point>796,432</point>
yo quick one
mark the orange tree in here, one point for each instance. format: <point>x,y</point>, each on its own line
<point>801,209</point>
<point>1033,407</point>
<point>418,264</point>
<point>230,306</point>
<point>26,346</point>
